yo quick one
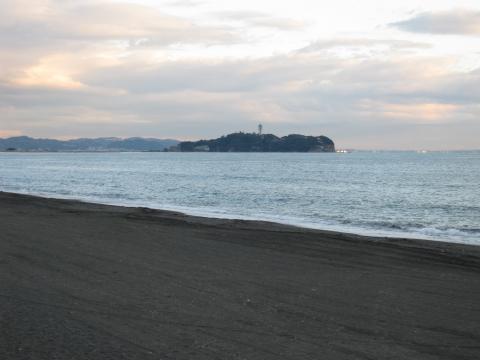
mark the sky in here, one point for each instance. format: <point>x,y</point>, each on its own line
<point>370,74</point>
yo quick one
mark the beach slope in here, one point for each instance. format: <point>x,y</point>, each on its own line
<point>87,281</point>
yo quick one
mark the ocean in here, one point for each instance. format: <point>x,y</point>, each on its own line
<point>433,195</point>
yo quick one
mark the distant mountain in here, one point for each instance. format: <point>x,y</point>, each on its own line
<point>250,142</point>
<point>25,143</point>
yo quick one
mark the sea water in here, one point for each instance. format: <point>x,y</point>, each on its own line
<point>434,195</point>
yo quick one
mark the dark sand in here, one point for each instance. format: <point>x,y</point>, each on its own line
<point>85,281</point>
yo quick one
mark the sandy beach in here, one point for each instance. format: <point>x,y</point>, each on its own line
<point>88,281</point>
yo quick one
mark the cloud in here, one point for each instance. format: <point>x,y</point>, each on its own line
<point>185,3</point>
<point>413,112</point>
<point>363,43</point>
<point>260,19</point>
<point>51,43</point>
<point>49,22</point>
<point>51,71</point>
<point>9,133</point>
<point>453,22</point>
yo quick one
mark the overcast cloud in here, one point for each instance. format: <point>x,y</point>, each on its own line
<point>187,70</point>
<point>456,21</point>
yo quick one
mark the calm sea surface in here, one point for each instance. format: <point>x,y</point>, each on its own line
<point>427,195</point>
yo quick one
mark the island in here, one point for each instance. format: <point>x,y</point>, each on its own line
<point>257,142</point>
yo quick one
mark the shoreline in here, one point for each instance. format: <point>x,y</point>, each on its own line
<point>353,231</point>
<point>262,224</point>
<point>90,281</point>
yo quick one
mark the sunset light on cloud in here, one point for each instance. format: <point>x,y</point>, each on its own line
<point>192,69</point>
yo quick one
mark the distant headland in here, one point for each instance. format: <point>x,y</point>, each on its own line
<point>109,144</point>
<point>258,142</point>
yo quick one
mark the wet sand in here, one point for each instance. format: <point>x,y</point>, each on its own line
<point>87,281</point>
